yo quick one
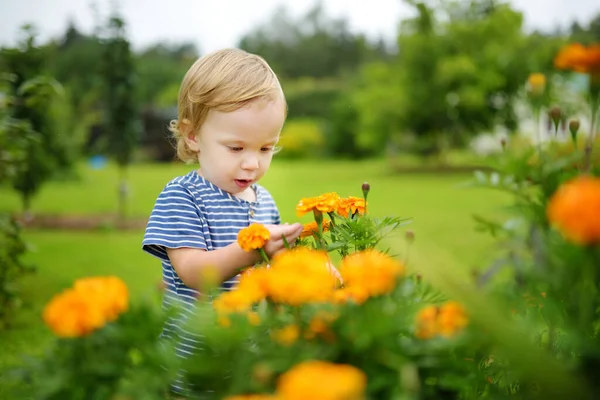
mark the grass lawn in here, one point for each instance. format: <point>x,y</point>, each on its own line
<point>440,208</point>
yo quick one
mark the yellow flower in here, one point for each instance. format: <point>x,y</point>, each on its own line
<point>325,203</point>
<point>321,380</point>
<point>300,276</point>
<point>312,228</point>
<point>537,83</point>
<point>350,205</point>
<point>253,237</point>
<point>357,294</point>
<point>233,301</point>
<point>253,282</point>
<point>575,210</point>
<point>286,335</point>
<point>446,320</point>
<point>87,306</point>
<point>372,271</point>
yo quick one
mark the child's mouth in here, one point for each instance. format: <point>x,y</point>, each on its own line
<point>243,183</point>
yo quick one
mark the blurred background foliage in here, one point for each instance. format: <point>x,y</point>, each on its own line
<point>467,61</point>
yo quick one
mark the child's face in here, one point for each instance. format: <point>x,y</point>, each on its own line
<point>236,148</point>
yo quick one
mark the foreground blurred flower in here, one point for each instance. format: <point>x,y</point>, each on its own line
<point>321,380</point>
<point>300,276</point>
<point>579,58</point>
<point>88,306</point>
<point>253,237</point>
<point>373,272</point>
<point>574,210</point>
<point>110,293</point>
<point>446,320</point>
<point>251,397</point>
<point>250,290</point>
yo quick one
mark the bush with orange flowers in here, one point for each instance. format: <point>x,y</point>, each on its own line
<point>105,346</point>
<point>548,247</point>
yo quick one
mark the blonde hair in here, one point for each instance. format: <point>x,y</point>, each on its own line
<point>226,81</point>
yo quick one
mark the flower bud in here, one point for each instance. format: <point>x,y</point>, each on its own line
<point>573,128</point>
<point>555,115</point>
<point>366,188</point>
<point>410,236</point>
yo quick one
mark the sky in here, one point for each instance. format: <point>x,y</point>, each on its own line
<point>214,24</point>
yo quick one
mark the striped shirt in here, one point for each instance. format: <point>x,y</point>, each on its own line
<point>192,212</point>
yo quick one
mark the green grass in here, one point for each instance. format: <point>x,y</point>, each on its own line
<point>440,208</point>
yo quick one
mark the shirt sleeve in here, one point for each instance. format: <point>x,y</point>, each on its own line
<point>175,222</point>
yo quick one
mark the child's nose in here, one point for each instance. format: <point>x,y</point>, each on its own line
<point>250,163</point>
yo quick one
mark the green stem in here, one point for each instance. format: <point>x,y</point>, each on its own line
<point>264,255</point>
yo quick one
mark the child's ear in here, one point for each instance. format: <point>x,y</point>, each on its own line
<point>189,135</point>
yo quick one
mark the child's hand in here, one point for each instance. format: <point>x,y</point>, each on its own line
<point>276,244</point>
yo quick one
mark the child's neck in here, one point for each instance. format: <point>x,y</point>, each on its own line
<point>249,195</point>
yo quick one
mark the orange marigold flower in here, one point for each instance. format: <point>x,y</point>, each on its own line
<point>253,237</point>
<point>110,292</point>
<point>427,322</point>
<point>452,318</point>
<point>350,205</point>
<point>325,203</point>
<point>574,209</point>
<point>300,276</point>
<point>371,270</point>
<point>73,314</point>
<point>446,320</point>
<point>305,381</point>
<point>312,228</point>
<point>579,58</point>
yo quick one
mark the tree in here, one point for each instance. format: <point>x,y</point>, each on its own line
<point>122,120</point>
<point>314,46</point>
<point>31,100</point>
<point>460,70</point>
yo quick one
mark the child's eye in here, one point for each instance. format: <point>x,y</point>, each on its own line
<point>235,148</point>
<point>266,149</point>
